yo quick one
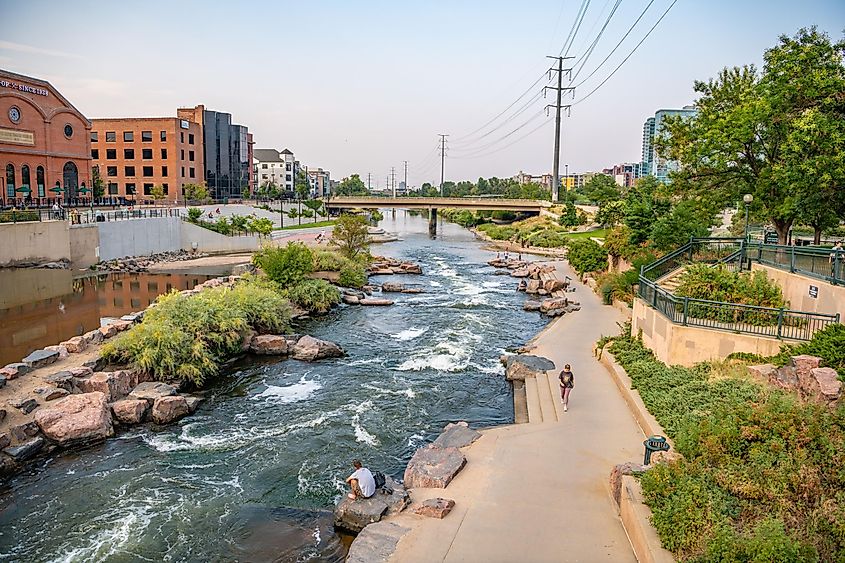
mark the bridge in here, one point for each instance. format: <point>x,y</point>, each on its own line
<point>435,203</point>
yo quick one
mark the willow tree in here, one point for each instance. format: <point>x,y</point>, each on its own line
<point>776,134</point>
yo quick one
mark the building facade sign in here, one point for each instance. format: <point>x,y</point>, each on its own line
<point>24,88</point>
<point>17,137</point>
<point>184,124</point>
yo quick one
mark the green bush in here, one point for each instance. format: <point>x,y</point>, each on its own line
<point>194,213</point>
<point>503,215</point>
<point>498,232</point>
<point>188,337</point>
<point>587,256</point>
<point>547,238</point>
<point>315,296</point>
<point>13,215</point>
<point>462,217</point>
<point>329,261</point>
<point>285,265</point>
<point>827,344</point>
<point>352,275</point>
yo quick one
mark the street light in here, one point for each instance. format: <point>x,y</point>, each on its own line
<point>747,198</point>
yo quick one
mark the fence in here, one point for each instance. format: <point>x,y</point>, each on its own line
<point>822,263</point>
<point>737,317</point>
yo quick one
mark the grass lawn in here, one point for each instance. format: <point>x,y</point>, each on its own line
<point>590,234</point>
<point>307,225</point>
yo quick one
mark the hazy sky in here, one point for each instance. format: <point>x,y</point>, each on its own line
<point>358,87</point>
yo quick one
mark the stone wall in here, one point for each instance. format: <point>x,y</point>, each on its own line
<point>84,243</point>
<point>33,242</point>
<point>687,345</point>
<point>796,290</point>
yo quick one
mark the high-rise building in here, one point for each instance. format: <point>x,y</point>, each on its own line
<point>625,174</point>
<point>653,164</point>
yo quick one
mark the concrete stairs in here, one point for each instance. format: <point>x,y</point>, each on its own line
<point>672,280</point>
<point>542,395</point>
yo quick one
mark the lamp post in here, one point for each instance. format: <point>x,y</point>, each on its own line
<point>747,199</point>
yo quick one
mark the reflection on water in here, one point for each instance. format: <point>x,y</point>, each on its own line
<point>44,307</point>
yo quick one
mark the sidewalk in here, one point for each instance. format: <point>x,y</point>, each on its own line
<point>539,492</point>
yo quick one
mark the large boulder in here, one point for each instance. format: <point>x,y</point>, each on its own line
<point>433,467</point>
<point>375,302</point>
<point>532,286</point>
<point>41,358</point>
<point>392,287</point>
<point>269,345</point>
<point>169,409</point>
<point>75,345</point>
<point>554,285</point>
<point>435,507</point>
<point>130,411</point>
<point>354,515</point>
<point>531,305</point>
<point>824,385</point>
<point>63,353</point>
<point>76,418</point>
<point>113,384</point>
<point>456,435</point>
<point>13,371</point>
<point>376,542</point>
<point>523,366</point>
<point>151,390</point>
<point>309,349</point>
<point>550,306</point>
<point>25,450</point>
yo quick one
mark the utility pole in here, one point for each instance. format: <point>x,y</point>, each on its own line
<point>368,181</point>
<point>559,91</point>
<point>406,177</point>
<point>442,160</point>
<point>393,180</point>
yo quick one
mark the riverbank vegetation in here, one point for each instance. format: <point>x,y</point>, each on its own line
<point>762,472</point>
<point>232,225</point>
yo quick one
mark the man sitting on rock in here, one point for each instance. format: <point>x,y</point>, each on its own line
<point>361,482</point>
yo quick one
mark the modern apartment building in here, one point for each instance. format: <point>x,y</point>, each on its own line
<point>625,174</point>
<point>273,166</point>
<point>135,154</point>
<point>320,182</point>
<point>653,164</point>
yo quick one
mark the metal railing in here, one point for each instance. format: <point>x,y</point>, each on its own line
<point>78,217</point>
<point>822,263</point>
<point>733,317</point>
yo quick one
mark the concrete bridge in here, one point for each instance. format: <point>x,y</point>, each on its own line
<point>435,203</point>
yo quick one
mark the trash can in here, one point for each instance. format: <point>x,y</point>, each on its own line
<point>654,444</point>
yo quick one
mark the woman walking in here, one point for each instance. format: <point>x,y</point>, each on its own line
<point>567,382</point>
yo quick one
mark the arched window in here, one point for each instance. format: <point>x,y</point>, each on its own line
<point>25,180</point>
<point>39,181</point>
<point>10,181</point>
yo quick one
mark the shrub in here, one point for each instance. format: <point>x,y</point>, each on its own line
<point>498,232</point>
<point>328,261</point>
<point>187,337</point>
<point>194,213</point>
<point>352,275</point>
<point>285,265</point>
<point>547,238</point>
<point>315,296</point>
<point>13,215</point>
<point>827,344</point>
<point>587,256</point>
<point>503,215</point>
<point>350,235</point>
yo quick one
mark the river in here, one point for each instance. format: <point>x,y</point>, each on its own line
<point>254,473</point>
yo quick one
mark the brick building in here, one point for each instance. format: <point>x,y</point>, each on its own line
<point>44,142</point>
<point>135,154</point>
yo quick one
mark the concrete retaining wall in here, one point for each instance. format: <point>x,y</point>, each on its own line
<point>84,246</point>
<point>796,290</point>
<point>688,345</point>
<point>209,241</point>
<point>37,241</point>
<point>636,518</point>
<point>139,237</point>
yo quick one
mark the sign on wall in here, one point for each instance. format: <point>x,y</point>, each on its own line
<point>814,291</point>
<point>184,124</point>
<point>15,137</point>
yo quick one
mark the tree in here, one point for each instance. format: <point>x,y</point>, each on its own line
<point>286,265</point>
<point>601,189</point>
<point>753,128</point>
<point>352,185</point>
<point>350,235</point>
<point>643,207</point>
<point>97,182</point>
<point>195,192</point>
<point>314,205</point>
<point>157,193</point>
<point>569,218</point>
<point>302,187</point>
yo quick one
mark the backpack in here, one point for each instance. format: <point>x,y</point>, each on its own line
<point>566,378</point>
<point>378,477</point>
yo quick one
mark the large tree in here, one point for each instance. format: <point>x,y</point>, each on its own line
<point>352,185</point>
<point>775,134</point>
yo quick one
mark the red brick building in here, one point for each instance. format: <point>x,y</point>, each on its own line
<point>44,143</point>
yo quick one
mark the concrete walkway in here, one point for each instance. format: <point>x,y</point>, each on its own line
<point>539,492</point>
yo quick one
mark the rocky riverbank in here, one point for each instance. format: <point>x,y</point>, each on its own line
<point>136,264</point>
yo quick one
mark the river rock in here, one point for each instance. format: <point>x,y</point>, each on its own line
<point>41,358</point>
<point>456,435</point>
<point>269,345</point>
<point>532,286</point>
<point>75,345</point>
<point>25,404</point>
<point>309,349</point>
<point>354,515</point>
<point>824,386</point>
<point>193,402</point>
<point>169,409</point>
<point>351,299</point>
<point>375,302</point>
<point>435,507</point>
<point>26,450</point>
<point>152,390</point>
<point>246,339</point>
<point>63,353</point>
<point>554,285</point>
<point>413,290</point>
<point>523,366</point>
<point>520,273</point>
<point>433,467</point>
<point>549,306</point>
<point>23,432</point>
<point>130,411</point>
<point>93,336</point>
<point>53,393</point>
<point>12,371</point>
<point>376,542</point>
<point>531,305</point>
<point>5,440</point>
<point>113,384</point>
<point>76,418</point>
<point>392,287</point>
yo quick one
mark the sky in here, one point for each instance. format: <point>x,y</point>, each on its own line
<point>360,87</point>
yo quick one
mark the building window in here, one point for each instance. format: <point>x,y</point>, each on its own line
<point>264,176</point>
<point>130,189</point>
<point>39,181</point>
<point>183,154</point>
<point>164,188</point>
<point>111,136</point>
<point>93,136</point>
<point>128,136</point>
<point>25,179</point>
<point>190,138</point>
<point>164,170</point>
<point>263,166</point>
<point>148,189</point>
<point>147,136</point>
<point>183,171</point>
<point>192,174</point>
<point>111,154</point>
<point>287,167</point>
<point>191,156</point>
<point>147,154</point>
<point>95,154</point>
<point>148,171</point>
<point>129,171</point>
<point>10,181</point>
<point>129,154</point>
<point>68,131</point>
<point>112,188</point>
<point>111,171</point>
<point>163,135</point>
<point>288,178</point>
<point>181,137</point>
<point>163,153</point>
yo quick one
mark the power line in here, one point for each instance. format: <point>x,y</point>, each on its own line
<point>576,25</point>
<point>634,50</point>
<point>500,149</point>
<point>595,42</point>
<point>520,111</point>
<point>503,137</point>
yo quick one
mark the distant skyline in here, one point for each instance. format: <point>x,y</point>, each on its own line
<point>360,87</point>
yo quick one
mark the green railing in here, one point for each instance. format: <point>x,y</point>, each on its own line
<point>821,263</point>
<point>732,317</point>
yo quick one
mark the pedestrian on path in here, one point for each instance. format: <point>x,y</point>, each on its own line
<point>567,382</point>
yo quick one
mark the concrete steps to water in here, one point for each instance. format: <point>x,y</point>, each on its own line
<point>542,396</point>
<point>532,399</point>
